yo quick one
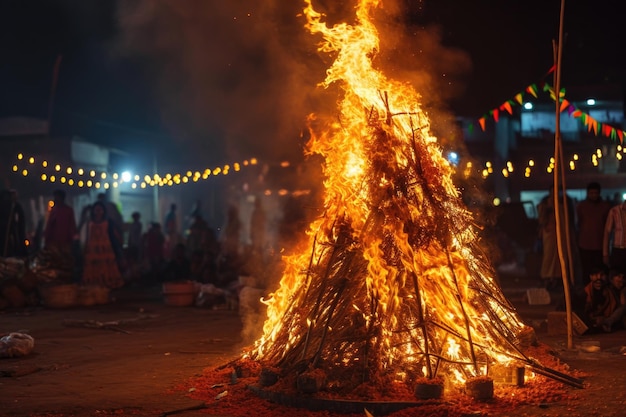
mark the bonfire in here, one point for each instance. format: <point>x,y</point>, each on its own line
<point>392,287</point>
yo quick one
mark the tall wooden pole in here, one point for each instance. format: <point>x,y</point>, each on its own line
<point>566,270</point>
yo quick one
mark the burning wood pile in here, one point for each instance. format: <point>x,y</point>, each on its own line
<point>392,288</point>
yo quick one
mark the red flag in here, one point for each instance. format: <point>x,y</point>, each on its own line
<point>496,114</point>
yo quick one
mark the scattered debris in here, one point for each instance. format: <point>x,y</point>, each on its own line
<point>221,395</point>
<point>13,345</point>
<point>106,325</point>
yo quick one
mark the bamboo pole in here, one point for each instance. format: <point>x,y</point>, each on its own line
<point>558,166</point>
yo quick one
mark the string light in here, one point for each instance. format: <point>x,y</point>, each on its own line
<point>149,180</point>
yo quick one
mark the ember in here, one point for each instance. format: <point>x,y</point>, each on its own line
<point>239,401</point>
<point>393,286</point>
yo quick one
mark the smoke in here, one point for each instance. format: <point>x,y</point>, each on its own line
<point>237,79</point>
<point>233,79</point>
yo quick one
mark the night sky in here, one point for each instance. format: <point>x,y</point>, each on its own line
<point>232,80</point>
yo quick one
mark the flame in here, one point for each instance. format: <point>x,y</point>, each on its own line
<point>390,278</point>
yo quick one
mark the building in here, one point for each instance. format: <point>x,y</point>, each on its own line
<point>513,155</point>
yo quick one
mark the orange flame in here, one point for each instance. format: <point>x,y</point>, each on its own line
<point>419,290</point>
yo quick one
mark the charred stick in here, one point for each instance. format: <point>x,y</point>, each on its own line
<point>308,333</point>
<point>542,368</point>
<point>559,377</point>
<point>317,356</point>
<point>422,323</point>
<point>465,317</point>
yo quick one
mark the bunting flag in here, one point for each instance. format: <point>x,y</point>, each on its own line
<point>588,121</point>
<point>507,106</point>
<point>532,89</point>
<point>482,123</point>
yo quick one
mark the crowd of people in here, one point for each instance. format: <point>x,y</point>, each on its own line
<point>595,261</point>
<point>109,252</point>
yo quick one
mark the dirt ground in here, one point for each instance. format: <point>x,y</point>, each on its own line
<point>143,349</point>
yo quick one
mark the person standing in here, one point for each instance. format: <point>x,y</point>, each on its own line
<point>12,225</point>
<point>591,214</point>
<point>134,253</point>
<point>135,232</point>
<point>196,210</point>
<point>172,235</point>
<point>102,251</point>
<point>550,264</point>
<point>197,234</point>
<point>614,242</point>
<point>171,222</point>
<point>60,230</point>
<point>153,250</point>
<point>114,216</point>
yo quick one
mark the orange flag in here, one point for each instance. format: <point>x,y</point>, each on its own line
<point>564,104</point>
<point>481,121</point>
<point>507,106</point>
<point>577,113</point>
<point>532,89</point>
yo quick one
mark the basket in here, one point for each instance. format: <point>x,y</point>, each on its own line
<point>179,293</point>
<point>59,296</point>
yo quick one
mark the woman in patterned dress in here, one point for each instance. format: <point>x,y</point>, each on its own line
<point>100,255</point>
